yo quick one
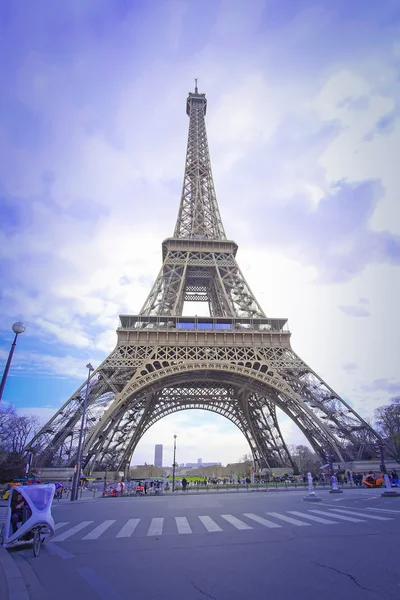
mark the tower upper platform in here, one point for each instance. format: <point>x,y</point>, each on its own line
<point>196,99</point>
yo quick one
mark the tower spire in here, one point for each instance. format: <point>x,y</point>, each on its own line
<point>198,216</point>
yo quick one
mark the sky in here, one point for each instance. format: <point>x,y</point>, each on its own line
<point>304,133</point>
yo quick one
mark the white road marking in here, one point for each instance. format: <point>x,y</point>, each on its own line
<point>97,531</point>
<point>236,522</point>
<point>59,525</point>
<point>128,528</point>
<point>70,532</point>
<point>341,517</point>
<point>384,510</point>
<point>311,518</point>
<point>183,525</point>
<point>261,520</point>
<point>156,526</point>
<point>288,519</point>
<point>209,524</point>
<point>358,514</point>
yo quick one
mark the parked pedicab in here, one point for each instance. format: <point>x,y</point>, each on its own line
<point>114,489</point>
<point>373,480</point>
<point>28,517</point>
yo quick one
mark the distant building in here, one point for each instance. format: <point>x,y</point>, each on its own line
<point>200,462</point>
<point>158,455</point>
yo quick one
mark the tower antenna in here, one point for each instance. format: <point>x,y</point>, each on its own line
<point>196,91</point>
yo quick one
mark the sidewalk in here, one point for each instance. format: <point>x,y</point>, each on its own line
<point>12,584</point>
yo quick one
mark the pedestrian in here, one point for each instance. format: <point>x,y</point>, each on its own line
<point>18,504</point>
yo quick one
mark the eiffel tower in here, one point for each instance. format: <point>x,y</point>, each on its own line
<point>237,362</point>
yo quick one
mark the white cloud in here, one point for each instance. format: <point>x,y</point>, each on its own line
<point>43,413</point>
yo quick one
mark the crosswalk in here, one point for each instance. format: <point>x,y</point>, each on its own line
<point>157,526</point>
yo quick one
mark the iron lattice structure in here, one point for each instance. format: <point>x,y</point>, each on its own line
<point>236,362</point>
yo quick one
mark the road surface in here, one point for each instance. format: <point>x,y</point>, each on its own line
<point>221,547</point>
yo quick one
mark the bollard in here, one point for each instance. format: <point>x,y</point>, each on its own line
<point>389,492</point>
<point>335,489</point>
<point>311,497</point>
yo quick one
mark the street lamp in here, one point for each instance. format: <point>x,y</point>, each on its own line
<point>173,465</point>
<point>381,456</point>
<point>77,473</point>
<point>17,328</point>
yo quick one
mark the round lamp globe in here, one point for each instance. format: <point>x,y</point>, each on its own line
<point>18,327</point>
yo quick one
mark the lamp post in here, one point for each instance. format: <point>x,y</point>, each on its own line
<point>381,456</point>
<point>77,473</point>
<point>173,465</point>
<point>17,328</point>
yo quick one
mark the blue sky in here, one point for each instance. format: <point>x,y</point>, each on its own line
<point>303,127</point>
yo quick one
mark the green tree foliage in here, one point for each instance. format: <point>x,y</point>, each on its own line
<point>388,425</point>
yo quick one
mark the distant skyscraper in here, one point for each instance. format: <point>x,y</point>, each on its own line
<point>158,450</point>
<point>199,461</point>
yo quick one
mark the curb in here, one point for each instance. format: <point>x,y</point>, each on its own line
<point>15,582</point>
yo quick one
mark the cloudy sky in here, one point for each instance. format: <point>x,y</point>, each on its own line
<point>304,132</point>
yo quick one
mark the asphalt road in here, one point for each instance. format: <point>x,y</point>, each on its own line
<point>221,546</point>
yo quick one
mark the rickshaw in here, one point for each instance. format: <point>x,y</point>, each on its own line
<point>111,489</point>
<point>31,517</point>
<point>139,489</point>
<point>373,480</point>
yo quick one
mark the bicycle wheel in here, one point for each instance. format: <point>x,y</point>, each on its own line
<point>36,542</point>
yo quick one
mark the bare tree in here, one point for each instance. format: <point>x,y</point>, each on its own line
<point>388,425</point>
<point>15,432</point>
<point>144,471</point>
<point>7,413</point>
<point>21,429</point>
<point>308,461</point>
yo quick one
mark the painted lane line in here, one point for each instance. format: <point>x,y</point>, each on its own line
<point>156,526</point>
<point>359,514</point>
<point>70,532</point>
<point>56,550</point>
<point>312,518</point>
<point>128,528</point>
<point>97,531</point>
<point>236,522</point>
<point>183,525</point>
<point>209,524</point>
<point>59,525</point>
<point>288,519</point>
<point>341,517</point>
<point>261,520</point>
